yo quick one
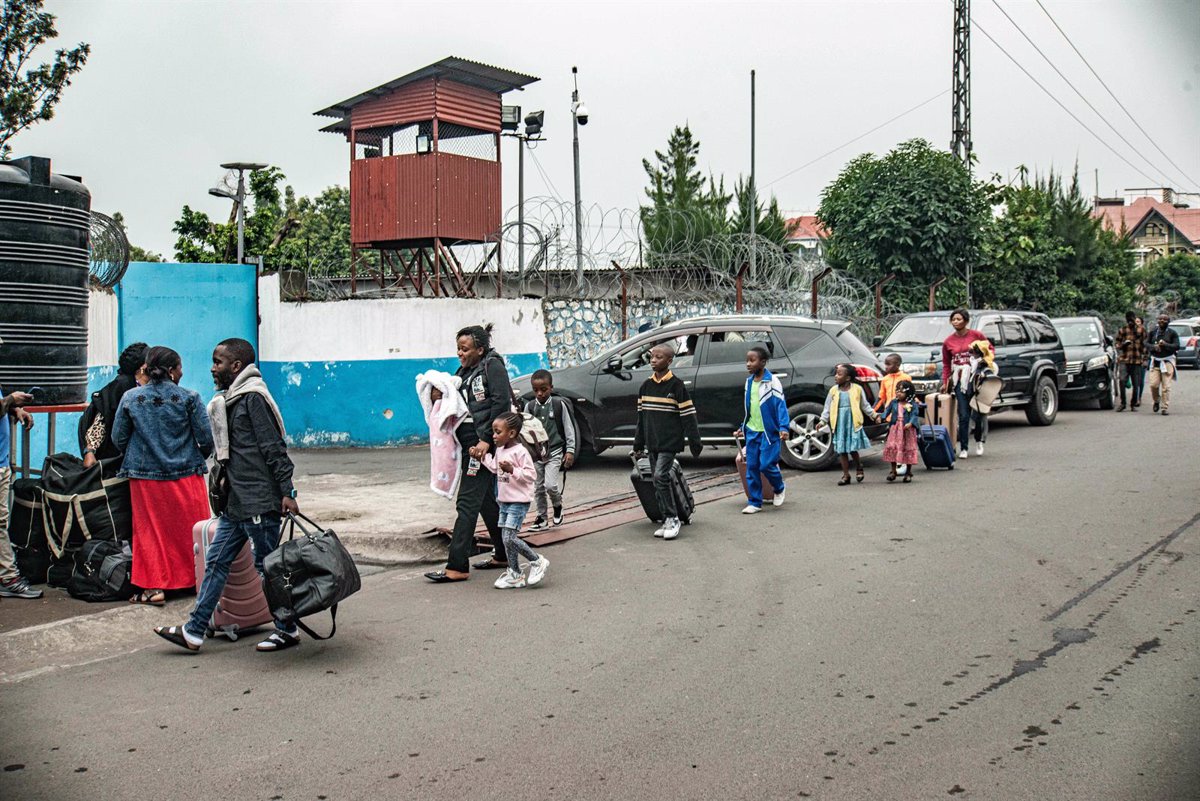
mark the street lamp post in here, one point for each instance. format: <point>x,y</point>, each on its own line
<point>239,198</point>
<point>532,133</point>
<point>579,116</point>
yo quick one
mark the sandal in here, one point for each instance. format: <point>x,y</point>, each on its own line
<point>844,480</point>
<point>150,598</point>
<point>490,564</point>
<point>907,477</point>
<point>278,641</point>
<point>891,477</point>
<point>858,475</point>
<point>440,577</point>
<point>174,634</point>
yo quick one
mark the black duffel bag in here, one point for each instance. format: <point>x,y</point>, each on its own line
<point>102,572</point>
<point>84,503</point>
<point>308,575</point>
<point>27,530</point>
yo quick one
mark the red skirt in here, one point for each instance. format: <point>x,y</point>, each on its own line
<point>164,513</point>
<point>901,445</point>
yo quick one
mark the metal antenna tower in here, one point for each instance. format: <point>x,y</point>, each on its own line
<point>960,141</point>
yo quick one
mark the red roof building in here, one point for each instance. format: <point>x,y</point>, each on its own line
<point>1155,228</point>
<point>808,233</point>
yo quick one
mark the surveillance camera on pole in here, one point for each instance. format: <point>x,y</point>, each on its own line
<point>579,116</point>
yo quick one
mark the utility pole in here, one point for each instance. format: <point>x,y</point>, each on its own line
<point>239,198</point>
<point>753,191</point>
<point>578,117</point>
<point>960,140</point>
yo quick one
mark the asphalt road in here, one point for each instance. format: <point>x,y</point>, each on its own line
<point>1025,626</point>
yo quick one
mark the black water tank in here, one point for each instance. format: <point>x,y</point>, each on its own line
<point>44,222</point>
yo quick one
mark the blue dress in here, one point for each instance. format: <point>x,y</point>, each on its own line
<point>845,438</point>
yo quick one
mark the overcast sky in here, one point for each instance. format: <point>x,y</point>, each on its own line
<point>172,89</point>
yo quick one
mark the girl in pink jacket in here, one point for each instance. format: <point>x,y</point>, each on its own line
<point>515,477</point>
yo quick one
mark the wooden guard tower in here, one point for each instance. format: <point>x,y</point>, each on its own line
<point>425,169</point>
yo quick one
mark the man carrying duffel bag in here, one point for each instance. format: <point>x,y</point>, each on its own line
<point>250,490</point>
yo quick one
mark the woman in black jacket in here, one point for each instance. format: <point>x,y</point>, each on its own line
<point>486,389</point>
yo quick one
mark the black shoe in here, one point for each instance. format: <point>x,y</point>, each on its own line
<point>1121,408</point>
<point>1156,407</point>
<point>540,524</point>
<point>558,515</point>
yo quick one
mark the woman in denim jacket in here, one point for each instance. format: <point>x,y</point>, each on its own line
<point>164,431</point>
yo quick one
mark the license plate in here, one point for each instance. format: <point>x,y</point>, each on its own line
<point>1070,379</point>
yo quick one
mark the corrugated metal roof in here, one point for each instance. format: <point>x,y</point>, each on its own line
<point>472,73</point>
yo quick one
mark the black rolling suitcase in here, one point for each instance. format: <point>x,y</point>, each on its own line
<point>643,484</point>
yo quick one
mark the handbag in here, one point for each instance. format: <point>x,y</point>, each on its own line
<point>309,574</point>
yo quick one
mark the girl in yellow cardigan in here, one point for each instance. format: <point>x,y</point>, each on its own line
<point>846,409</point>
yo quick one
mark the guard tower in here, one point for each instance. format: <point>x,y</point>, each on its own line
<point>425,168</point>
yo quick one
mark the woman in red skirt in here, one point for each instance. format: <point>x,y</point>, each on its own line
<point>903,416</point>
<point>164,431</point>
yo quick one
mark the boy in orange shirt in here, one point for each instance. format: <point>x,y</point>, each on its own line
<point>892,374</point>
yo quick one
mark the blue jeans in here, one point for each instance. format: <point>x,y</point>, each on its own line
<point>226,544</point>
<point>967,416</point>
<point>762,459</point>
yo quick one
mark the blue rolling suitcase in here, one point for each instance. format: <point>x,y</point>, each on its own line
<point>936,448</point>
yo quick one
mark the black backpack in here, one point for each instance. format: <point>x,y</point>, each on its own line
<point>102,572</point>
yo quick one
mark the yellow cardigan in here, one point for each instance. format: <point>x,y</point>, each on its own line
<point>856,405</point>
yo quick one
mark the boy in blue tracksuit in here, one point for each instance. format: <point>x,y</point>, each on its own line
<point>765,427</point>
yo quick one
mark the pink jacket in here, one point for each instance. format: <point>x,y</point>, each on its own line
<point>517,486</point>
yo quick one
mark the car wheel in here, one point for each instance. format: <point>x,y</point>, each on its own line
<point>808,448</point>
<point>1108,401</point>
<point>1043,408</point>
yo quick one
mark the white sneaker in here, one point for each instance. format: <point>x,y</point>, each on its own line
<point>979,449</point>
<point>751,509</point>
<point>510,580</point>
<point>902,470</point>
<point>537,570</point>
<point>963,454</point>
<point>658,532</point>
<point>778,499</point>
<point>671,528</point>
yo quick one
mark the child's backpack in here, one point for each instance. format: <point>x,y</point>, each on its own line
<point>534,438</point>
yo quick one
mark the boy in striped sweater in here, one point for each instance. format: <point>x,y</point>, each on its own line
<point>666,417</point>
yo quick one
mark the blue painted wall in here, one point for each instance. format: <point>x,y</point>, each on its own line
<point>370,402</point>
<point>190,308</point>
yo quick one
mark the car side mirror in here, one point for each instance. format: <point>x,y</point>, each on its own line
<point>614,365</point>
<point>877,341</point>
<point>1108,340</point>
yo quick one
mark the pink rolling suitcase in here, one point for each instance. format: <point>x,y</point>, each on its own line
<point>243,605</point>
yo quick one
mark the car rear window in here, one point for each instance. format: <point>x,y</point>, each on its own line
<point>859,352</point>
<point>795,338</point>
<point>1014,332</point>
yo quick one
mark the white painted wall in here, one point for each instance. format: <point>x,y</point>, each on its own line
<point>102,328</point>
<point>394,328</point>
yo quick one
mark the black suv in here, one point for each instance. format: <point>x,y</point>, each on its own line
<point>1029,355</point>
<point>711,361</point>
<point>1091,360</point>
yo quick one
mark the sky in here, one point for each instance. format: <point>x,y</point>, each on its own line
<point>173,89</point>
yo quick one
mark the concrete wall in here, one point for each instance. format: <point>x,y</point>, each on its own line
<point>344,372</point>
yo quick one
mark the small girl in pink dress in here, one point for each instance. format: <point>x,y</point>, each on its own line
<point>903,415</point>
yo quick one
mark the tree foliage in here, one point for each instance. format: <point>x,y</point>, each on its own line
<point>28,93</point>
<point>688,214</point>
<point>915,212</point>
<point>1178,273</point>
<point>288,231</point>
<point>135,253</point>
<point>1046,251</point>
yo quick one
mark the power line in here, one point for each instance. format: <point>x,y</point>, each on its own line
<point>1066,80</point>
<point>1050,94</point>
<point>922,104</point>
<point>545,177</point>
<point>1114,97</point>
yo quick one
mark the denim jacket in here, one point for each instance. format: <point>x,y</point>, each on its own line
<point>163,430</point>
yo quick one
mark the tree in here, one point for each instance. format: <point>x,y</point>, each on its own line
<point>30,97</point>
<point>1178,273</point>
<point>916,212</point>
<point>685,207</point>
<point>771,225</point>
<point>289,232</point>
<point>135,253</point>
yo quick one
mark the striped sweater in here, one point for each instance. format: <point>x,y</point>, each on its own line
<point>666,416</point>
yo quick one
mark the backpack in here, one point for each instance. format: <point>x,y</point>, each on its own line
<point>533,437</point>
<point>101,572</point>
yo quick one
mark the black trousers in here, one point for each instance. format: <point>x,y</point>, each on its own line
<point>476,496</point>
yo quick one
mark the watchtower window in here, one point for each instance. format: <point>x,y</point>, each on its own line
<point>463,141</point>
<point>400,140</point>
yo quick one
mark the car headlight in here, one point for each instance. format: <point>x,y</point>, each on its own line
<point>1097,362</point>
<point>919,369</point>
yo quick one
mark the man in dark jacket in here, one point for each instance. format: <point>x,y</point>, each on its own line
<point>1162,345</point>
<point>249,440</point>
